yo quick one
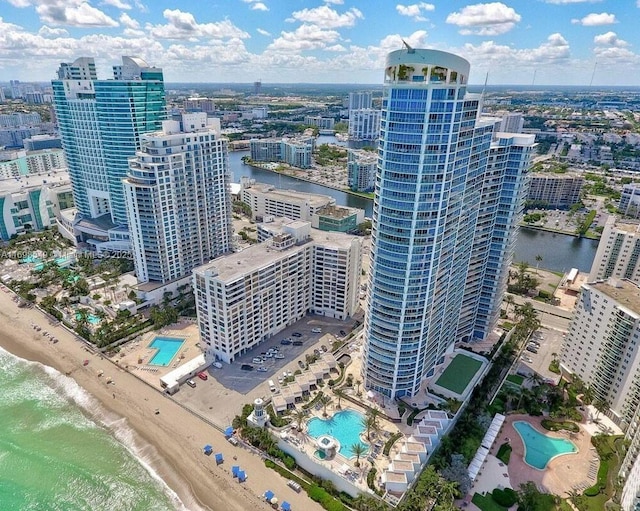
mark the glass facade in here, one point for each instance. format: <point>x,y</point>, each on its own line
<point>431,178</point>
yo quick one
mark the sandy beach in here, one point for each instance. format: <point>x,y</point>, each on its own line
<point>171,440</point>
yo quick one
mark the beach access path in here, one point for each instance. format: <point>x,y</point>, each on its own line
<point>172,439</point>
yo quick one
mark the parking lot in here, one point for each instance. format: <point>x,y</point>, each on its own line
<point>550,342</point>
<point>227,389</point>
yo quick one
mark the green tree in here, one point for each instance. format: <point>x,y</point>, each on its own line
<point>358,449</point>
<point>340,394</point>
<point>325,400</point>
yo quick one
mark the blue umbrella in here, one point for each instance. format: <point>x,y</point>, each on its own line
<point>207,449</point>
<point>285,506</point>
<point>242,476</point>
<point>268,495</point>
<point>219,458</point>
<point>228,431</point>
<point>234,470</point>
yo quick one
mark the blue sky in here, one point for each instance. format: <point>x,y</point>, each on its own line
<point>330,41</point>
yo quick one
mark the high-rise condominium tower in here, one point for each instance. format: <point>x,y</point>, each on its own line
<point>433,193</point>
<point>101,122</point>
<point>178,199</point>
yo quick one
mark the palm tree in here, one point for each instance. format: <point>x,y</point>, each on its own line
<point>358,449</point>
<point>299,415</point>
<point>358,383</point>
<point>587,396</point>
<point>324,401</point>
<point>448,491</point>
<point>509,393</point>
<point>601,406</point>
<point>510,301</point>
<point>340,394</point>
<point>538,259</point>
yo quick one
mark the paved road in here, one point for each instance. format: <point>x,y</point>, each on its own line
<point>549,315</point>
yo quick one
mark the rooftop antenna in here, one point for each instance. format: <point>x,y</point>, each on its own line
<point>593,74</point>
<point>409,48</point>
<point>534,77</point>
<point>486,79</point>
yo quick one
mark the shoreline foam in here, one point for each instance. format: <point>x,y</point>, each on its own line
<point>175,436</point>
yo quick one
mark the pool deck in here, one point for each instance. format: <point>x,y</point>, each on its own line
<point>562,473</point>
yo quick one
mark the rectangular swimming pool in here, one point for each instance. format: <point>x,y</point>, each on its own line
<point>167,348</point>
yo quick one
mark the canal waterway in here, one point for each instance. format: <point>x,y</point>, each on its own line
<point>559,252</point>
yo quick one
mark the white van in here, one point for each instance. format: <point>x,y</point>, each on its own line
<point>272,386</point>
<point>316,330</point>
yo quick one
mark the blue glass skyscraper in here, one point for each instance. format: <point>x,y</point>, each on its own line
<point>101,122</point>
<point>432,162</point>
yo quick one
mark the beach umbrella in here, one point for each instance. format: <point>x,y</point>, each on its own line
<point>242,476</point>
<point>268,495</point>
<point>207,449</point>
<point>219,458</point>
<point>234,470</point>
<point>274,500</point>
<point>228,431</point>
<point>285,506</point>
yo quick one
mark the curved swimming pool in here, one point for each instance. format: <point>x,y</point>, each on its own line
<point>344,426</point>
<point>540,449</point>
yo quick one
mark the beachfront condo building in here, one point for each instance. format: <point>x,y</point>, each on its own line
<point>22,163</point>
<point>101,123</point>
<point>34,202</point>
<point>438,209</point>
<point>246,298</point>
<point>512,122</point>
<point>178,200</point>
<point>618,253</point>
<point>601,348</point>
<point>360,100</point>
<point>502,203</point>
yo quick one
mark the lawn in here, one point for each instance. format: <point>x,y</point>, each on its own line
<point>486,503</point>
<point>459,373</point>
<point>515,378</point>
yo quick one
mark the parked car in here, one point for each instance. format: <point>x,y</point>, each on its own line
<point>279,356</point>
<point>324,348</point>
<point>296,334</point>
<point>316,330</point>
<point>246,367</point>
<point>297,343</point>
<point>262,369</point>
<point>300,364</point>
<point>257,360</point>
<point>203,376</point>
<point>191,383</point>
<point>343,333</point>
<point>532,349</point>
<point>285,342</point>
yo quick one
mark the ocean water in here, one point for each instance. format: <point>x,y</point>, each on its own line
<point>59,451</point>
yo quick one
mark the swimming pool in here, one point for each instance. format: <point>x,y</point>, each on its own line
<point>540,449</point>
<point>167,348</point>
<point>91,318</point>
<point>344,426</point>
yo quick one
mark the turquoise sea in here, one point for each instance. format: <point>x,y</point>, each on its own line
<point>59,451</point>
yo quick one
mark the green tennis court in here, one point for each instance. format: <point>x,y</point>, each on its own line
<point>459,373</point>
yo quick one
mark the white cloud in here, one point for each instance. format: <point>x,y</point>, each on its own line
<point>74,13</point>
<point>415,10</point>
<point>259,6</point>
<point>305,37</point>
<point>183,25</point>
<point>336,48</point>
<point>326,17</point>
<point>340,2</point>
<point>262,31</point>
<point>128,22</point>
<point>609,39</point>
<point>595,19</point>
<point>46,31</point>
<point>485,19</point>
<point>118,4</point>
<point>563,2</point>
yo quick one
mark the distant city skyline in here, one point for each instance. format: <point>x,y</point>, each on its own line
<point>542,42</point>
